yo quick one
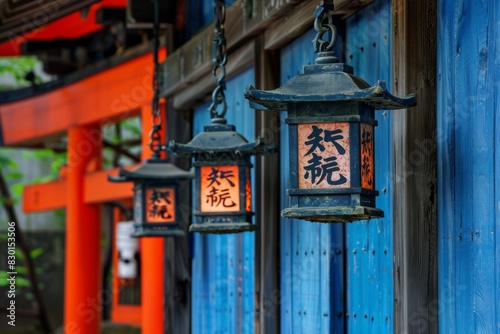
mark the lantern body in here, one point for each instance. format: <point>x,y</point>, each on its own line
<point>331,161</point>
<point>331,120</point>
<point>156,187</point>
<point>223,200</point>
<point>155,209</point>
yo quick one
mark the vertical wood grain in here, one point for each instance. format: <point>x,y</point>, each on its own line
<point>369,246</point>
<point>267,196</point>
<point>415,167</point>
<point>223,265</point>
<point>468,71</point>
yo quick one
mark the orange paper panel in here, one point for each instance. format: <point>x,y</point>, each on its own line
<point>367,164</point>
<point>248,191</point>
<point>160,205</point>
<point>324,155</point>
<point>220,189</point>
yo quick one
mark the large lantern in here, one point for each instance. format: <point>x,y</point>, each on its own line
<point>156,207</point>
<point>331,122</point>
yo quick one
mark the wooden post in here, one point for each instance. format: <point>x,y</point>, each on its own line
<point>82,296</point>
<point>267,251</point>
<point>415,168</point>
<point>152,250</point>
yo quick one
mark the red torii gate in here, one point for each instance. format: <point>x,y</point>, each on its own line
<point>80,110</point>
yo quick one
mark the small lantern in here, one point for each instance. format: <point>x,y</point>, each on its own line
<point>223,194</point>
<point>331,120</point>
<point>156,211</point>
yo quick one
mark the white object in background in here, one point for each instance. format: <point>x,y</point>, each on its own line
<point>128,248</point>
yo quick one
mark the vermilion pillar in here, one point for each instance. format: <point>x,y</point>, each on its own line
<point>82,295</point>
<point>152,250</point>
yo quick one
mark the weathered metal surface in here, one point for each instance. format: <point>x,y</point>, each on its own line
<point>223,265</point>
<point>468,185</point>
<point>369,245</point>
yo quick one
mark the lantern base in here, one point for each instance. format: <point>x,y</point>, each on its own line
<point>221,228</point>
<point>157,233</point>
<point>333,214</point>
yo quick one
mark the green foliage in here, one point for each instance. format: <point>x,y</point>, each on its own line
<point>17,68</point>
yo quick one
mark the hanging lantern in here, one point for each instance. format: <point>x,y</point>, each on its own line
<point>331,121</point>
<point>223,193</point>
<point>156,208</point>
<point>156,181</point>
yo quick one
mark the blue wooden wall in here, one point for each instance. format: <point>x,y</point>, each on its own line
<point>336,279</point>
<point>468,145</point>
<point>369,245</point>
<point>199,14</point>
<point>223,265</point>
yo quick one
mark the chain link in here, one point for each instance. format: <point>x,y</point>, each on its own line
<point>155,133</point>
<point>218,107</point>
<point>323,23</point>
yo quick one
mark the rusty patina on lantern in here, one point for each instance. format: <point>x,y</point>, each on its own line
<point>331,120</point>
<point>156,207</point>
<point>223,194</point>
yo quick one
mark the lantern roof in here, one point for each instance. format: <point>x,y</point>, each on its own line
<point>327,82</point>
<point>220,138</point>
<point>152,169</point>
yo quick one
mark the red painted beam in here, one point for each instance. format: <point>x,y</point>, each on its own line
<point>108,96</point>
<point>68,27</point>
<point>52,195</point>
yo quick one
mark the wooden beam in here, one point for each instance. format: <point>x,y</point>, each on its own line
<point>52,195</point>
<point>109,96</point>
<point>199,89</point>
<point>415,168</point>
<point>194,59</point>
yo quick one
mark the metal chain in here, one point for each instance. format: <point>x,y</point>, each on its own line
<point>323,23</point>
<point>218,107</point>
<point>155,135</point>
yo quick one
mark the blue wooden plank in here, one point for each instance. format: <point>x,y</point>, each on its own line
<point>223,265</point>
<point>369,247</point>
<point>468,159</point>
<point>199,14</point>
<point>311,254</point>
